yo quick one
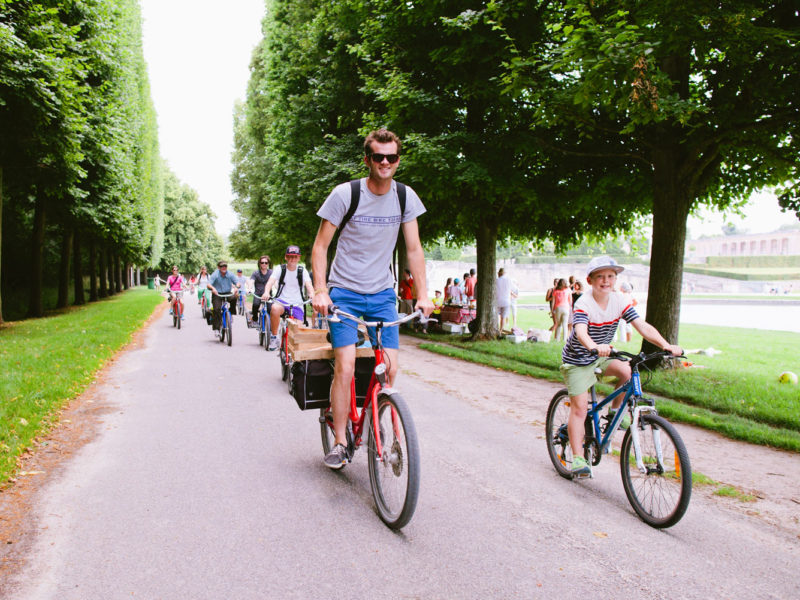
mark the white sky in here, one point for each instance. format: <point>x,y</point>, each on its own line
<point>762,214</point>
<point>198,55</point>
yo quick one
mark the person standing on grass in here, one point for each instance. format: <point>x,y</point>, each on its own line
<point>470,282</point>
<point>361,281</point>
<point>597,314</point>
<point>562,306</point>
<point>503,295</point>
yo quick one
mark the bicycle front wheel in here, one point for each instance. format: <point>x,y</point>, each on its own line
<point>284,360</point>
<point>229,327</point>
<point>394,476</point>
<point>556,434</point>
<point>661,494</point>
<point>179,313</point>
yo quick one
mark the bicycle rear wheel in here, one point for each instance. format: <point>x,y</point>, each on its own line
<point>660,496</point>
<point>556,434</point>
<point>326,429</point>
<point>394,476</point>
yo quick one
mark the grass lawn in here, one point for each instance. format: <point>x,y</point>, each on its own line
<point>47,362</point>
<point>735,393</point>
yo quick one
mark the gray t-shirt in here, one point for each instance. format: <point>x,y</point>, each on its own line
<point>364,253</point>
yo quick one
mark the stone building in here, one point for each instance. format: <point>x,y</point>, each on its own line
<point>777,243</point>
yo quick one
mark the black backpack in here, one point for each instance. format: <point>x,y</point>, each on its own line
<point>299,282</point>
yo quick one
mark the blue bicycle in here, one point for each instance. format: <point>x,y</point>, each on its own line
<point>240,305</point>
<point>263,324</point>
<point>226,320</point>
<point>656,473</point>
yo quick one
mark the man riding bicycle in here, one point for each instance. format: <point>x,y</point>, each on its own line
<point>291,279</point>
<point>369,213</point>
<point>220,282</point>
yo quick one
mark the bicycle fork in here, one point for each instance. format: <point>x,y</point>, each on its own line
<point>637,450</point>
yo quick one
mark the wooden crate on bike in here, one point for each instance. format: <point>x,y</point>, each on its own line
<point>305,343</point>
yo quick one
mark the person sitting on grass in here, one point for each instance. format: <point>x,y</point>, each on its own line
<point>597,314</point>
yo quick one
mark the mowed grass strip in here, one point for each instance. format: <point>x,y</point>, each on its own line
<point>736,393</point>
<point>47,362</point>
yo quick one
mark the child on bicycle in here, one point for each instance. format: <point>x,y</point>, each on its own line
<point>596,316</point>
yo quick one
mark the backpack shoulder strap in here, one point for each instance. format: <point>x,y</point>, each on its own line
<point>281,280</point>
<point>355,196</point>
<point>300,282</point>
<point>401,195</point>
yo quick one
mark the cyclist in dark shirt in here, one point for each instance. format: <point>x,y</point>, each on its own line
<point>260,278</point>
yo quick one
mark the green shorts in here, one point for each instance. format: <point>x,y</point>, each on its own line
<point>580,378</point>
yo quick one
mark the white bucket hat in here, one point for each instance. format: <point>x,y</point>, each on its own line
<point>603,262</point>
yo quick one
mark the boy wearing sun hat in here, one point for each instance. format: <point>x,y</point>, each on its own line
<point>597,314</point>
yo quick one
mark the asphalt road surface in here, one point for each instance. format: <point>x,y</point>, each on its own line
<point>207,481</point>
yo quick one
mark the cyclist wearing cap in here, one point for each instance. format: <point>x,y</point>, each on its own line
<point>290,292</point>
<point>361,281</point>
<point>596,316</point>
<point>220,282</point>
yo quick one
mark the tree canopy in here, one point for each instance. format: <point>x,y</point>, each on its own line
<point>81,177</point>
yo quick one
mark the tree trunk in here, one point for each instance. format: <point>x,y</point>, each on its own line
<point>37,259</point>
<point>63,269</point>
<point>104,287</point>
<point>77,269</point>
<point>670,210</point>
<point>93,271</point>
<point>117,274</point>
<point>1,244</point>
<point>486,303</point>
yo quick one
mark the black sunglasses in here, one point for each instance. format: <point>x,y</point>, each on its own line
<point>263,262</point>
<point>378,158</point>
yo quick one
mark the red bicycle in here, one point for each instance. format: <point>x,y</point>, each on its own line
<point>392,448</point>
<point>176,299</point>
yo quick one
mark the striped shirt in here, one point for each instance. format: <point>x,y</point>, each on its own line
<point>601,323</point>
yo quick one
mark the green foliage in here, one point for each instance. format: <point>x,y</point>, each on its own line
<point>687,103</point>
<point>79,137</point>
<point>190,240</point>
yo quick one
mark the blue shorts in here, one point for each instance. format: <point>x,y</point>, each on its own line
<point>370,307</point>
<point>297,311</point>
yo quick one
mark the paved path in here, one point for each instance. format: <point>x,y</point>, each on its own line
<point>207,482</point>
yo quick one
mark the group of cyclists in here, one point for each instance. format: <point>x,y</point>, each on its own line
<point>293,287</point>
<point>368,214</point>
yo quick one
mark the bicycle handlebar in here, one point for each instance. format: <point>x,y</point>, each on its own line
<point>637,359</point>
<point>333,310</point>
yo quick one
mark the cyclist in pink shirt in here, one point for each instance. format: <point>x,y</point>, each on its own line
<point>175,283</point>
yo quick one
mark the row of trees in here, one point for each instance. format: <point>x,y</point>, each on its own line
<point>82,183</point>
<point>556,121</point>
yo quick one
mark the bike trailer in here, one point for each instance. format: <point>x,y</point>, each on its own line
<point>311,383</point>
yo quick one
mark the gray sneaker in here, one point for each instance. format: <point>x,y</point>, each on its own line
<point>273,342</point>
<point>337,457</point>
